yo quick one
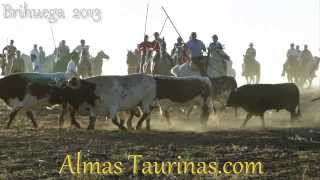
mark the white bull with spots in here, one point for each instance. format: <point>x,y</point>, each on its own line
<point>108,95</point>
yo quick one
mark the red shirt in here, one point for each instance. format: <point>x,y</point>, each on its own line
<point>145,46</point>
<point>156,45</point>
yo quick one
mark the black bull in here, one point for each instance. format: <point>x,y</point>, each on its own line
<point>258,98</point>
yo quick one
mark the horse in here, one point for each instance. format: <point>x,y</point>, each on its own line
<point>163,65</point>
<point>291,68</point>
<point>308,72</point>
<point>251,70</point>
<point>27,62</point>
<point>179,55</point>
<point>84,68</point>
<point>132,62</point>
<point>97,62</point>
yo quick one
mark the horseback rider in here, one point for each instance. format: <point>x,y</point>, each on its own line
<point>34,55</point>
<point>179,51</point>
<point>159,47</point>
<point>292,57</point>
<point>249,57</point>
<point>306,56</point>
<point>84,65</point>
<point>63,50</point>
<point>251,53</point>
<point>18,65</point>
<point>9,51</point>
<point>298,51</point>
<point>83,49</point>
<point>144,51</point>
<point>196,48</point>
<point>216,48</point>
<point>42,58</point>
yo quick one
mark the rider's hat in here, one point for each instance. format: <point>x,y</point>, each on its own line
<point>156,34</point>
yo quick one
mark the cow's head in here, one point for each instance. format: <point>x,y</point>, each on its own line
<point>233,99</point>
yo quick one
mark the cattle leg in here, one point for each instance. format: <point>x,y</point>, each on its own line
<point>61,117</point>
<point>204,115</point>
<point>249,115</point>
<point>236,112</point>
<point>263,122</point>
<point>73,119</point>
<point>139,125</point>
<point>129,122</point>
<point>189,111</point>
<point>148,127</point>
<point>120,126</point>
<point>12,116</point>
<point>30,116</point>
<point>167,116</point>
<point>92,122</point>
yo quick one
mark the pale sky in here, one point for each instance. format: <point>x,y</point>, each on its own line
<point>270,24</point>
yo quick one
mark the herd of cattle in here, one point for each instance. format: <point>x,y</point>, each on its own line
<point>127,96</point>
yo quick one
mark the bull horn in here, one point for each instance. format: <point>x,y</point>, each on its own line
<point>74,83</point>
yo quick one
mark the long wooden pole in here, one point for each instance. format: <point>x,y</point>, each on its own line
<point>164,24</point>
<point>175,28</point>
<point>146,21</point>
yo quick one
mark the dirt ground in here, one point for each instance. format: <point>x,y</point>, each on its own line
<point>288,151</point>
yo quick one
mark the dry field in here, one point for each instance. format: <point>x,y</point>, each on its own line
<point>287,151</point>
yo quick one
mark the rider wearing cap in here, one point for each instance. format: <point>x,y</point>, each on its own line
<point>196,48</point>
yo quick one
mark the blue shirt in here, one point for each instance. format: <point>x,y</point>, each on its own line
<point>196,46</point>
